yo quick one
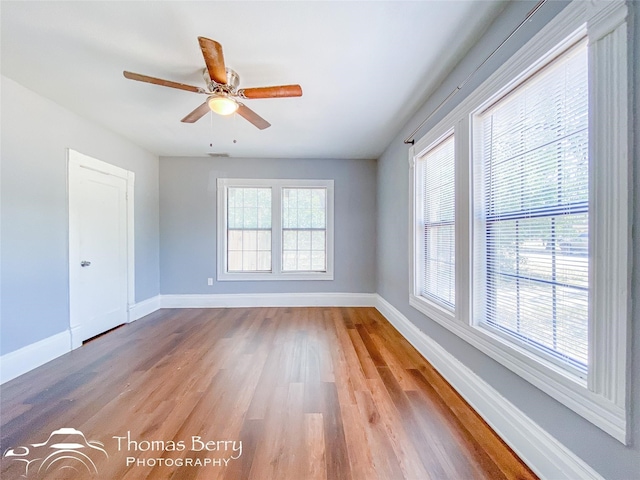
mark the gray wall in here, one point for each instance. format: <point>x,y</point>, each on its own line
<point>34,229</point>
<point>188,222</point>
<point>606,455</point>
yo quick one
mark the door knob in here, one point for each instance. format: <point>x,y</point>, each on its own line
<point>85,263</point>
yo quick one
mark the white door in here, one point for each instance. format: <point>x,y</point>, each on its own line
<point>98,249</point>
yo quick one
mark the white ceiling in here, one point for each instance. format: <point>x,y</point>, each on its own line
<point>364,66</point>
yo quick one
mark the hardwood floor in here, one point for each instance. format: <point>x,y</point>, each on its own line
<point>307,393</point>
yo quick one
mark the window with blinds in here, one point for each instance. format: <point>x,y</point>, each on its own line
<point>533,199</point>
<point>438,223</point>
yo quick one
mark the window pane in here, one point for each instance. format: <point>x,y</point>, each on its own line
<point>249,260</point>
<point>289,260</point>
<point>231,197</point>
<point>290,206</point>
<point>304,260</point>
<point>439,271</point>
<point>264,240</point>
<point>264,217</point>
<point>289,240</point>
<point>250,240</point>
<point>250,197</point>
<point>304,240</point>
<point>264,260</point>
<point>235,217</point>
<point>304,218</point>
<point>235,240</point>
<point>318,240</point>
<point>304,198</point>
<point>250,219</point>
<point>318,218</point>
<point>318,261</point>
<point>438,214</point>
<point>235,261</point>
<point>264,198</point>
<point>318,198</point>
<point>536,212</point>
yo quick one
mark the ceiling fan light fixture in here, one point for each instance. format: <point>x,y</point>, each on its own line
<point>222,105</point>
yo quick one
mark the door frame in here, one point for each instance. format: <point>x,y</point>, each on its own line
<point>75,161</point>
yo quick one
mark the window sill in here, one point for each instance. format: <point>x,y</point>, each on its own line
<point>431,309</point>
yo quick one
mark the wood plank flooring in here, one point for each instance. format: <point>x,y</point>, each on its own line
<point>308,393</point>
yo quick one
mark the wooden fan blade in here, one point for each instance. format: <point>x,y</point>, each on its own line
<point>197,114</point>
<point>161,82</point>
<point>213,57</point>
<point>248,114</point>
<point>272,92</point>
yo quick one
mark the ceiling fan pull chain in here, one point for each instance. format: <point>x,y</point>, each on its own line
<point>235,127</point>
<point>211,123</point>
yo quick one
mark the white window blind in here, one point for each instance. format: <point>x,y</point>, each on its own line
<point>249,229</point>
<point>438,282</point>
<point>534,202</point>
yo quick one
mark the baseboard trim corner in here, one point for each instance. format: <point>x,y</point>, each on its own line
<point>543,453</point>
<point>25,359</point>
<point>144,308</point>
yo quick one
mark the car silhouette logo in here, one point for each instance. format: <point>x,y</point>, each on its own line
<point>66,450</point>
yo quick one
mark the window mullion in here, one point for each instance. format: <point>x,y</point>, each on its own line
<point>463,219</point>
<point>276,229</point>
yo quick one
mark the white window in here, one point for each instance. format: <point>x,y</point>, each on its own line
<point>531,276</point>
<point>436,218</point>
<point>275,229</point>
<point>542,233</point>
<point>248,229</point>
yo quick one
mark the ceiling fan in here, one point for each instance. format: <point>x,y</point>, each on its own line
<point>222,88</point>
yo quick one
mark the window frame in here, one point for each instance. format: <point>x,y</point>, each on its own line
<point>298,230</point>
<point>602,397</point>
<point>276,273</point>
<point>258,229</point>
<point>428,304</point>
<point>482,218</point>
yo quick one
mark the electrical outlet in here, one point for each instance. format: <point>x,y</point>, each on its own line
<point>209,281</point>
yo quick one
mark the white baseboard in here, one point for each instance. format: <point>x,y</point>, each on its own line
<point>144,308</point>
<point>236,300</point>
<point>544,454</point>
<point>25,359</point>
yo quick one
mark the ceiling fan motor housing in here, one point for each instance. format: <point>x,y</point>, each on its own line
<point>233,80</point>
